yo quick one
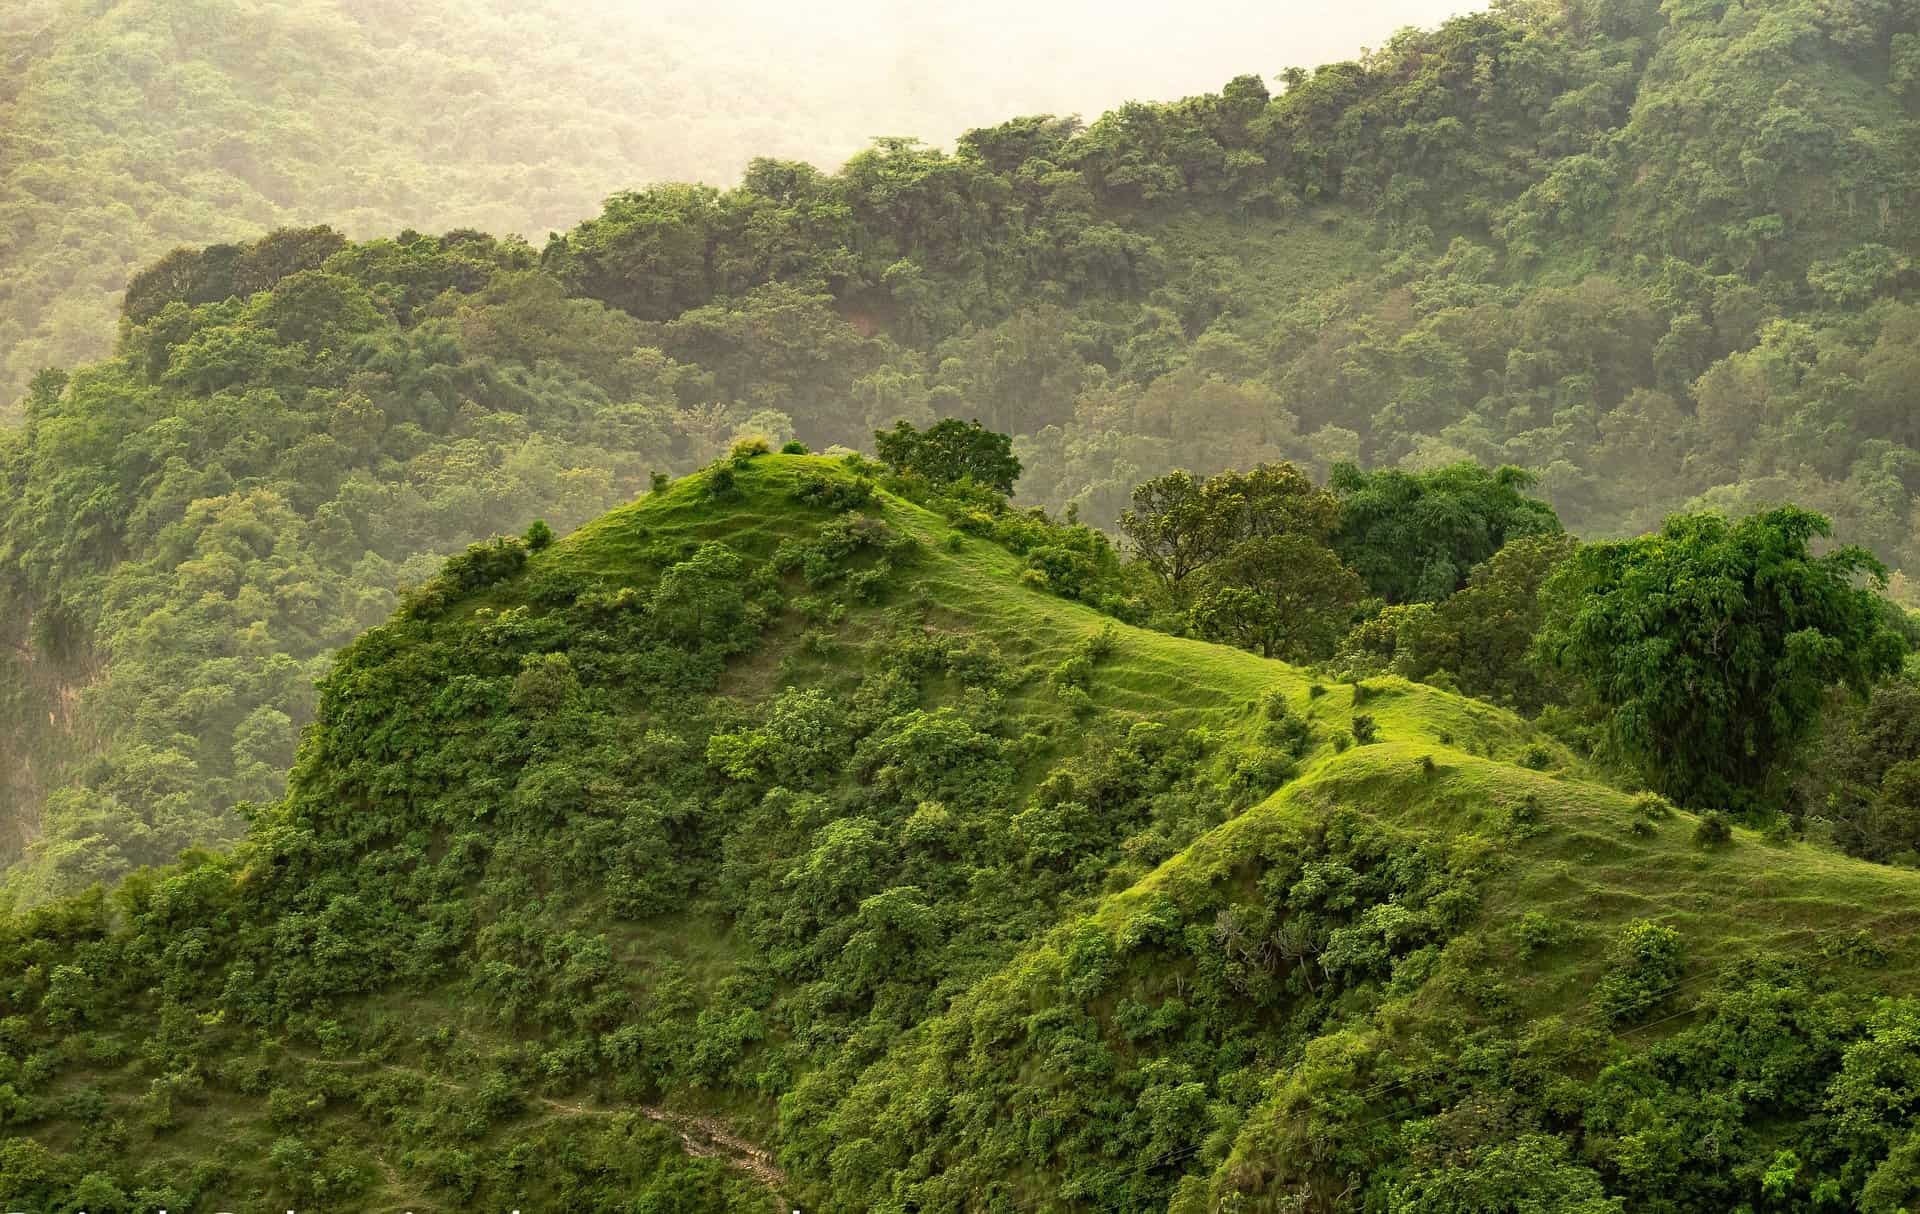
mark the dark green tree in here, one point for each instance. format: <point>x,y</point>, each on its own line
<point>1414,536</point>
<point>1179,524</point>
<point>1482,635</point>
<point>951,450</point>
<point>1283,596</point>
<point>1712,643</point>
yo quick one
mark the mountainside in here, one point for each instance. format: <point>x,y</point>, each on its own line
<point>1660,255</point>
<point>781,819</point>
<point>129,127</point>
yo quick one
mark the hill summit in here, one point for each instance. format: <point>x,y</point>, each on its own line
<point>780,835</point>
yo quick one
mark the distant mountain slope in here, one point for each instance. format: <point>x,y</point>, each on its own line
<point>130,127</point>
<point>1661,255</point>
<point>947,894</point>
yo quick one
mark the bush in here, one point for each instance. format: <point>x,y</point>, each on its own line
<point>1653,807</point>
<point>539,536</point>
<point>1539,930</point>
<point>833,492</point>
<point>1284,729</point>
<point>720,486</point>
<point>1713,831</point>
<point>659,482</point>
<point>793,447</point>
<point>747,449</point>
<point>1364,731</point>
<point>1642,967</point>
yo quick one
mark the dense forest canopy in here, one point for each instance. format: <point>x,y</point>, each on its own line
<point>132,126</point>
<point>1549,236</point>
<point>1249,653</point>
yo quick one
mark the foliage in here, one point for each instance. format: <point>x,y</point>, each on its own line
<point>949,451</point>
<point>1712,643</point>
<point>1415,537</point>
<point>1861,775</point>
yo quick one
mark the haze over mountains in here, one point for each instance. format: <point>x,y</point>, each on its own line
<point>1322,645</point>
<point>127,128</point>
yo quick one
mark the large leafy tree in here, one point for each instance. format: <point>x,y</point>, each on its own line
<point>1284,596</point>
<point>1712,643</point>
<point>1483,634</point>
<point>1179,524</point>
<point>950,450</point>
<point>1415,536</point>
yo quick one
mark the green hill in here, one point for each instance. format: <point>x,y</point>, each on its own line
<point>1661,255</point>
<point>130,127</point>
<point>776,831</point>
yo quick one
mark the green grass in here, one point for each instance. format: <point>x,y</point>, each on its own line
<point>1584,863</point>
<point>1556,841</point>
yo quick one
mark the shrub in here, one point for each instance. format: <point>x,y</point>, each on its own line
<point>539,536</point>
<point>1284,729</point>
<point>1652,806</point>
<point>1713,831</point>
<point>1539,930</point>
<point>1642,967</point>
<point>1316,691</point>
<point>659,482</point>
<point>720,486</point>
<point>1099,646</point>
<point>747,449</point>
<point>793,447</point>
<point>1076,671</point>
<point>1258,772</point>
<point>1364,730</point>
<point>833,492</point>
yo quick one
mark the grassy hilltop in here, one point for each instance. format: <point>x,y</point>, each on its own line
<point>778,834</point>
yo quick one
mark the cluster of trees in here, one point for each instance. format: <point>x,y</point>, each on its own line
<point>1268,560</point>
<point>534,868</point>
<point>1702,659</point>
<point>1392,264</point>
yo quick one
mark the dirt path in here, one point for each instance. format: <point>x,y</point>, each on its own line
<point>700,1136</point>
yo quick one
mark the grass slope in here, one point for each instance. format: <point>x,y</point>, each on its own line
<point>494,1070</point>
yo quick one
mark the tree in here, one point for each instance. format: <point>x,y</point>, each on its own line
<point>951,450</point>
<point>1169,526</point>
<point>1712,643</point>
<point>1415,535</point>
<point>1867,780</point>
<point>1285,596</point>
<point>1483,634</point>
<point>1179,524</point>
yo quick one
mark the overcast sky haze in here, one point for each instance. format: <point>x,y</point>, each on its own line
<point>963,65</point>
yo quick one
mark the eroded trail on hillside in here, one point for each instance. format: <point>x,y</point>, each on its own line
<point>701,1137</point>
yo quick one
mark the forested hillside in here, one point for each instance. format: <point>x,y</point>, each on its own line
<point>1354,724</point>
<point>1659,255</point>
<point>782,799</point>
<point>128,127</point>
